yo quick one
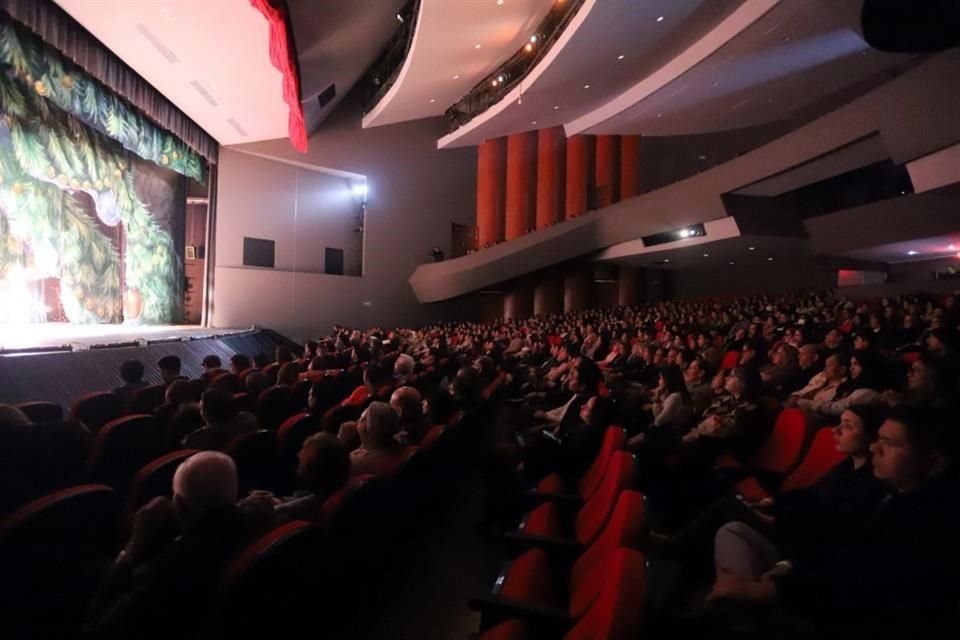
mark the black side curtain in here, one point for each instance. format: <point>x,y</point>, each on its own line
<point>57,28</point>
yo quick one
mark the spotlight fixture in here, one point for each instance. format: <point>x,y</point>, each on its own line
<point>621,57</point>
<point>684,233</point>
<point>528,47</point>
<point>494,83</point>
<point>359,190</point>
<point>660,19</point>
<point>501,78</point>
<point>399,18</point>
<point>534,38</point>
<point>912,252</point>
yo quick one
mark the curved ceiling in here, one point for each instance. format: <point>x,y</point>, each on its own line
<point>646,34</point>
<point>445,61</point>
<point>222,79</point>
<point>794,58</point>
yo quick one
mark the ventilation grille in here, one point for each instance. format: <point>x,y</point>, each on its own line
<point>163,49</point>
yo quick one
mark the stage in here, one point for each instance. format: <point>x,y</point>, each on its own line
<point>47,336</point>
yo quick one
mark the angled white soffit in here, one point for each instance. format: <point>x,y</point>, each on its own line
<point>720,229</point>
<point>221,78</point>
<point>444,62</point>
<point>725,31</point>
<point>606,48</point>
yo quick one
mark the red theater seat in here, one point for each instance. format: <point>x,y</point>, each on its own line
<point>821,457</point>
<point>730,360</point>
<point>255,455</point>
<point>780,453</point>
<point>52,552</point>
<point>614,439</point>
<point>123,446</point>
<point>147,400</point>
<point>545,524</point>
<point>41,411</point>
<point>95,409</point>
<point>274,405</point>
<point>153,480</point>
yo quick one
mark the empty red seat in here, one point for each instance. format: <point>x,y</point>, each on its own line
<point>730,360</point>
<point>95,409</point>
<point>255,455</point>
<point>614,439</point>
<point>52,552</point>
<point>154,479</point>
<point>532,579</point>
<point>270,585</point>
<point>780,453</point>
<point>617,613</point>
<point>820,458</point>
<point>546,521</point>
<point>123,446</point>
<point>42,411</point>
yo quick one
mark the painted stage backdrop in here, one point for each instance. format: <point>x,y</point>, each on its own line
<point>92,196</point>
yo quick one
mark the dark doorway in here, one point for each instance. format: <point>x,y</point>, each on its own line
<point>333,262</point>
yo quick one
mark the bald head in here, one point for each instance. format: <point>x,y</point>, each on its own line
<point>205,482</point>
<point>406,402</point>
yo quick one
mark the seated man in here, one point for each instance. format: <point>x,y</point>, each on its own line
<point>323,468</point>
<point>164,583</point>
<point>131,372</point>
<point>407,403</point>
<point>896,573</point>
<point>380,452</point>
<point>223,422</point>
<point>212,367</point>
<point>170,369</point>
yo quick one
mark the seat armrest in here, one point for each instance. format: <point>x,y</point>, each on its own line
<point>548,621</point>
<point>562,499</point>
<point>520,542</point>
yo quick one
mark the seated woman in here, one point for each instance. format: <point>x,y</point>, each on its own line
<point>323,468</point>
<point>782,376</point>
<point>732,422</point>
<point>380,452</point>
<point>861,388</point>
<point>672,407</point>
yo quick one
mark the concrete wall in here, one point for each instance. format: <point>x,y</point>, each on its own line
<point>415,193</point>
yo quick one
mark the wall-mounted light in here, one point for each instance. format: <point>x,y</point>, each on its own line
<point>359,191</point>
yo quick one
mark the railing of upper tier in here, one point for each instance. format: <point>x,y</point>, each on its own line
<point>502,80</point>
<point>383,73</point>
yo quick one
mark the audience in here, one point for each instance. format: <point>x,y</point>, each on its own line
<point>223,421</point>
<point>170,369</point>
<point>380,453</point>
<point>131,372</point>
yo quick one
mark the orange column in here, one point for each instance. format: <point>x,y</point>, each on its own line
<point>551,156</point>
<point>606,171</point>
<point>629,166</point>
<point>521,179</point>
<point>491,166</point>
<point>578,166</point>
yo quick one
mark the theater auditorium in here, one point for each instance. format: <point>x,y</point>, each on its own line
<point>479,319</point>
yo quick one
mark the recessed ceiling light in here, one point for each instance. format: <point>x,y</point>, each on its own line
<point>477,46</point>
<point>456,77</point>
<point>912,252</point>
<point>499,3</point>
<point>534,38</point>
<point>706,255</point>
<point>659,115</point>
<point>666,259</point>
<point>528,47</point>
<point>620,57</point>
<point>660,19</point>
<point>732,262</point>
<point>952,247</point>
<point>555,107</point>
<point>703,157</point>
<point>432,100</point>
<point>786,38</point>
<point>399,18</point>
<point>751,248</point>
<point>586,86</point>
<point>533,122</point>
<point>769,259</point>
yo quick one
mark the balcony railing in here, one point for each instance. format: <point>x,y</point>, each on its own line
<point>383,73</point>
<point>500,82</point>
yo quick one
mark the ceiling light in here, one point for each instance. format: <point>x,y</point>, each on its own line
<point>555,107</point>
<point>528,47</point>
<point>660,19</point>
<point>399,18</point>
<point>432,100</point>
<point>659,115</point>
<point>684,233</point>
<point>952,248</point>
<point>706,255</point>
<point>912,252</point>
<point>666,259</point>
<point>456,77</point>
<point>501,77</point>
<point>499,3</point>
<point>769,259</point>
<point>586,86</point>
<point>494,83</point>
<point>620,57</point>
<point>786,38</point>
<point>703,157</point>
<point>732,262</point>
<point>534,38</point>
<point>751,248</point>
<point>533,122</point>
<point>477,46</point>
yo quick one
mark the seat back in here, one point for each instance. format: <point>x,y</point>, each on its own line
<point>227,382</point>
<point>255,455</point>
<point>274,580</point>
<point>154,479</point>
<point>782,448</point>
<point>618,611</point>
<point>274,406</point>
<point>42,411</point>
<point>52,456</point>
<point>291,436</point>
<point>730,360</point>
<point>95,409</point>
<point>821,457</point>
<point>529,579</point>
<point>595,513</point>
<point>244,401</point>
<point>147,399</point>
<point>614,439</point>
<point>52,552</point>
<point>123,446</point>
<point>589,572</point>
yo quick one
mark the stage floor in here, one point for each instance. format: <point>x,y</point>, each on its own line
<point>23,337</point>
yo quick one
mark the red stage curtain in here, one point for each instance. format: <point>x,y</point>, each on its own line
<point>283,58</point>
